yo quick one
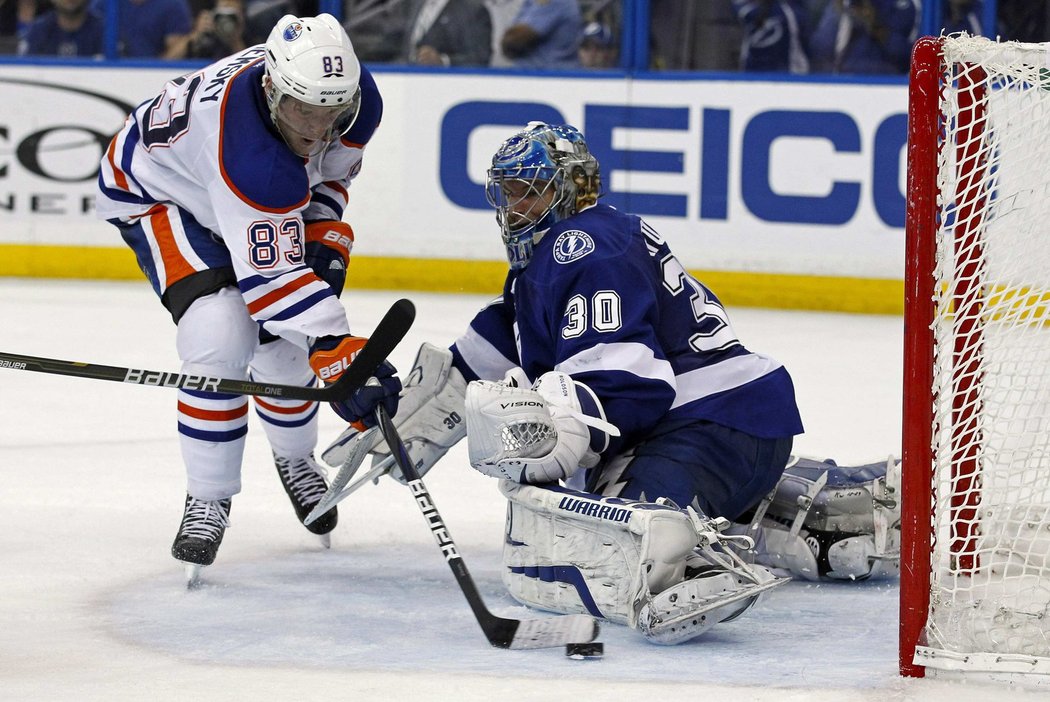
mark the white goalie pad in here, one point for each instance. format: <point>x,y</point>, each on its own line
<point>575,552</point>
<point>537,435</point>
<point>825,521</point>
<point>430,418</point>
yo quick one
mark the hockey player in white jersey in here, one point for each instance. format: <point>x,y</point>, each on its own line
<point>230,187</point>
<point>641,446</point>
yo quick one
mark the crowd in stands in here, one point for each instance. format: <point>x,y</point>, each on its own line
<point>792,36</point>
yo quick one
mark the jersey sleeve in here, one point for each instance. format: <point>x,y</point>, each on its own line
<point>486,351</point>
<point>343,160</point>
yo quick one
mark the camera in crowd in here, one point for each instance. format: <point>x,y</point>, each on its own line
<point>223,38</point>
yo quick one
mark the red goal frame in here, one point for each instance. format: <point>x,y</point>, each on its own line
<point>925,142</point>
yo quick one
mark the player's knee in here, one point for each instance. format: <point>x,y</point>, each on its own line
<point>217,332</point>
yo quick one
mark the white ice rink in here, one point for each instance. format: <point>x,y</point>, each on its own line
<point>94,608</point>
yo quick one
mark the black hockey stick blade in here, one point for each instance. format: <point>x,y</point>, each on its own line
<point>389,332</point>
<point>548,632</point>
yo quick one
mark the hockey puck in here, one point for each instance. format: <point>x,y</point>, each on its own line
<point>585,651</point>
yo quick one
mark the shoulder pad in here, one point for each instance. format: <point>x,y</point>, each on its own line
<point>254,161</point>
<point>371,113</point>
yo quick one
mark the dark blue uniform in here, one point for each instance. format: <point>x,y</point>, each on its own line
<point>703,420</point>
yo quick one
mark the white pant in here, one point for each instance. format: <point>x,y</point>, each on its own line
<point>216,337</point>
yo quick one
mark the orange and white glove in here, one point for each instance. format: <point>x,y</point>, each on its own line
<point>327,251</point>
<point>331,355</point>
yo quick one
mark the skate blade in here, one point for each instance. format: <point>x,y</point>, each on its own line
<point>193,576</point>
<point>326,540</point>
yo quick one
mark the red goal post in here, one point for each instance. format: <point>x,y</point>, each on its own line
<point>975,558</point>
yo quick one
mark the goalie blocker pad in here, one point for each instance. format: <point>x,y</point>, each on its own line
<point>577,553</point>
<point>430,416</point>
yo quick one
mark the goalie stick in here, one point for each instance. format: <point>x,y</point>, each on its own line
<point>389,332</point>
<point>548,632</point>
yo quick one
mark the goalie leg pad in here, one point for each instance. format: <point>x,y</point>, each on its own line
<point>575,552</point>
<point>846,517</point>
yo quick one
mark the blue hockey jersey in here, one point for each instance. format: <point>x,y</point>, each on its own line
<point>604,300</point>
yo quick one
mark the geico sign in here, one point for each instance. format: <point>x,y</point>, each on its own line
<point>36,152</point>
<point>62,145</point>
<point>835,131</point>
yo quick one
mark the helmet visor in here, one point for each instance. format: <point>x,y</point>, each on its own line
<point>309,128</point>
<point>522,201</point>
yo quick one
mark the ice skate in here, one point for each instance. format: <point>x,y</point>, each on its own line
<point>200,533</point>
<point>304,482</point>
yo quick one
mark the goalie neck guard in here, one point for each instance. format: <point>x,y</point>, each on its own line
<point>311,81</point>
<point>539,177</point>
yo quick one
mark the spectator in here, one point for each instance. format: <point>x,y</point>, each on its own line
<point>1024,20</point>
<point>962,16</point>
<point>446,33</point>
<point>502,13</point>
<point>261,15</point>
<point>15,16</point>
<point>598,47</point>
<point>774,32</point>
<point>693,36</point>
<point>153,28</point>
<point>70,29</point>
<point>545,34</point>
<point>864,36</point>
<point>376,28</point>
<point>218,32</point>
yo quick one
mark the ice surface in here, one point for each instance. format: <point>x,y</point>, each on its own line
<point>94,608</point>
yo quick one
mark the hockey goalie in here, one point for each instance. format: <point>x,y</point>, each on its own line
<point>644,452</point>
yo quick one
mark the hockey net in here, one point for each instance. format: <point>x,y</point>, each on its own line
<point>975,584</point>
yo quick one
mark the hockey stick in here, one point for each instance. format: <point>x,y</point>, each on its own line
<point>548,632</point>
<point>391,329</point>
<point>341,487</point>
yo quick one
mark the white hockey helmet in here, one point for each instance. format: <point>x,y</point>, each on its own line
<point>311,81</point>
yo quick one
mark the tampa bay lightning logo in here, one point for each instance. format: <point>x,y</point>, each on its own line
<point>572,246</point>
<point>292,31</point>
<point>514,148</point>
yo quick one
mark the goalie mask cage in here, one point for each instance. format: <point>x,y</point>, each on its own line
<point>975,576</point>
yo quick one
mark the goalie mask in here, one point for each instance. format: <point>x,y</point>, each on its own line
<point>311,82</point>
<point>539,177</point>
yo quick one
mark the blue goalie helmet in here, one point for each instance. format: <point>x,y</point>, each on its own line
<point>539,177</point>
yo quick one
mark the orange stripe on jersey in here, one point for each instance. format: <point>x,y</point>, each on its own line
<point>119,178</point>
<point>213,415</point>
<point>176,267</point>
<point>283,410</point>
<point>287,289</point>
<point>338,187</point>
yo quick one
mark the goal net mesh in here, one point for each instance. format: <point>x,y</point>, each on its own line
<point>990,559</point>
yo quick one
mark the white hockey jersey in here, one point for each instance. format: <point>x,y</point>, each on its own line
<point>207,146</point>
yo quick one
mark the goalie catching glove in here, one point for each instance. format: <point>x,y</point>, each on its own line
<point>429,416</point>
<point>537,435</point>
<point>331,355</point>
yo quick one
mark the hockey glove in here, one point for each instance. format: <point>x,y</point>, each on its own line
<point>538,435</point>
<point>328,246</point>
<point>331,355</point>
